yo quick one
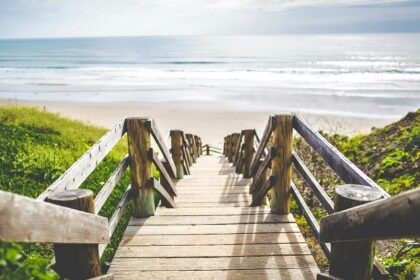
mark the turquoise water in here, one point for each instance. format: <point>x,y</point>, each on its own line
<point>373,75</point>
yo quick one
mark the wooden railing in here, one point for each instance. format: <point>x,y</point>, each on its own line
<point>80,238</point>
<point>271,166</point>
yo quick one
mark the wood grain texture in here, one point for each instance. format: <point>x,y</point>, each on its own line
<point>76,261</point>
<point>176,150</point>
<point>169,185</point>
<point>395,217</point>
<point>27,220</point>
<point>347,171</point>
<point>248,153</point>
<point>281,167</point>
<point>163,193</point>
<point>213,233</point>
<point>110,184</point>
<point>139,144</point>
<point>81,169</point>
<point>153,129</point>
<point>261,147</point>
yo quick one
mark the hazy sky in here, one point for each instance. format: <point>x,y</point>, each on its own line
<point>77,18</point>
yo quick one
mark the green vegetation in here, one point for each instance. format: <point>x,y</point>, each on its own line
<point>35,149</point>
<point>391,157</point>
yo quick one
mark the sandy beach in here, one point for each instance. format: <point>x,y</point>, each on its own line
<point>211,120</point>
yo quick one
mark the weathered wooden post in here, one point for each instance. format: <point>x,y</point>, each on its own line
<point>197,146</point>
<point>248,135</point>
<point>76,261</point>
<point>191,143</point>
<point>282,163</point>
<point>228,147</point>
<point>200,146</point>
<point>139,143</point>
<point>354,259</point>
<point>224,145</point>
<point>234,144</point>
<point>208,150</point>
<point>176,148</point>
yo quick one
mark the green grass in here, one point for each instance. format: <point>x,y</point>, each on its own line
<point>35,149</point>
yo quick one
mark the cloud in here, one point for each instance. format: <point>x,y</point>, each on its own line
<point>72,18</point>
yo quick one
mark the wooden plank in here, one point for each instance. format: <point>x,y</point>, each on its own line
<point>263,143</point>
<point>310,179</point>
<point>259,274</point>
<point>215,211</point>
<point>211,220</point>
<point>153,129</point>
<point>109,186</point>
<point>212,239</point>
<point>165,195</point>
<point>296,249</point>
<point>347,170</point>
<point>237,149</point>
<point>263,191</point>
<point>220,199</point>
<point>187,160</point>
<point>116,216</point>
<point>163,172</point>
<point>211,204</point>
<point>218,263</point>
<point>262,167</point>
<point>81,169</point>
<point>256,274</point>
<point>211,229</point>
<point>27,220</point>
<point>392,218</point>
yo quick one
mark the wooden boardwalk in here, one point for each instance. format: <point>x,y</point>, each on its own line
<point>213,234</point>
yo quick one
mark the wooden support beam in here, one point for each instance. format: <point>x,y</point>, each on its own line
<point>196,146</point>
<point>264,140</point>
<point>353,260</point>
<point>310,179</point>
<point>248,135</point>
<point>164,194</point>
<point>234,143</point>
<point>228,147</point>
<point>76,261</point>
<point>110,184</point>
<point>257,200</point>
<point>139,143</point>
<point>169,185</point>
<point>153,129</point>
<point>176,149</point>
<point>282,163</point>
<point>191,145</point>
<point>260,176</point>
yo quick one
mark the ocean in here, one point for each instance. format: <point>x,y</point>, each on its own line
<point>365,75</point>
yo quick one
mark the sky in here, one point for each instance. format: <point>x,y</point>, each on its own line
<point>86,18</point>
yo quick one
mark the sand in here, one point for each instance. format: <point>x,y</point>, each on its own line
<point>211,120</point>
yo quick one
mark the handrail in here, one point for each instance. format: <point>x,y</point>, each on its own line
<point>263,191</point>
<point>81,169</point>
<point>25,219</point>
<point>391,218</point>
<point>344,168</point>
<point>264,140</point>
